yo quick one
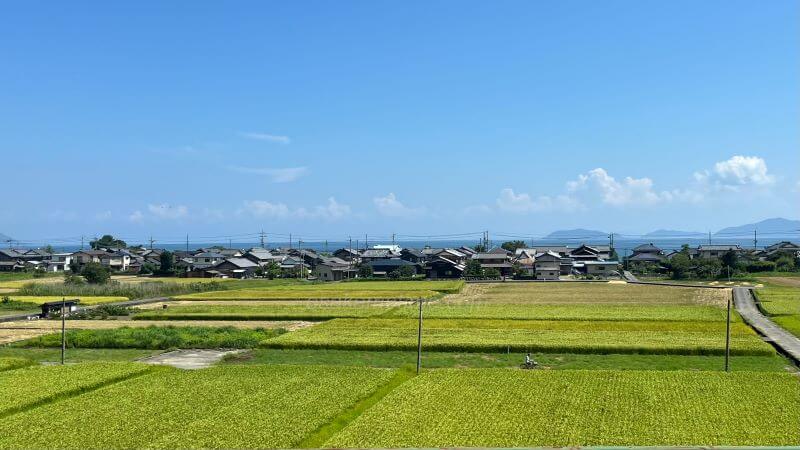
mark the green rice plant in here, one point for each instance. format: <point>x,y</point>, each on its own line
<point>690,338</point>
<point>601,293</point>
<point>30,386</point>
<point>155,337</point>
<point>14,363</point>
<point>309,294</point>
<point>542,311</point>
<point>779,300</point>
<point>219,407</point>
<point>312,311</point>
<point>39,299</point>
<point>515,408</point>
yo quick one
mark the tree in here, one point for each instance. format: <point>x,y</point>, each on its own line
<point>365,271</point>
<point>406,271</point>
<point>147,268</point>
<point>708,268</point>
<point>167,263</point>
<point>730,259</point>
<point>71,278</point>
<point>272,270</point>
<point>95,273</point>
<point>107,241</point>
<point>480,248</point>
<point>473,269</point>
<point>49,249</point>
<point>512,246</point>
<point>395,274</point>
<point>491,273</point>
<point>785,264</point>
<point>680,264</point>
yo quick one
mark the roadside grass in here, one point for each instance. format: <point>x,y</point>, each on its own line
<point>75,355</point>
<point>115,289</point>
<point>438,360</point>
<point>11,363</point>
<point>36,300</point>
<point>152,337</point>
<point>782,303</point>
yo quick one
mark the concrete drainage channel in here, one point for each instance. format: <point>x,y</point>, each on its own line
<point>189,359</point>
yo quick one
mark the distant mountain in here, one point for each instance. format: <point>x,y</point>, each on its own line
<point>677,234</point>
<point>4,238</point>
<point>577,233</point>
<point>776,227</point>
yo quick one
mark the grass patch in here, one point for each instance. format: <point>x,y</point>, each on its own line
<point>38,300</point>
<point>327,431</point>
<point>301,310</point>
<point>115,289</point>
<point>9,363</point>
<point>154,337</point>
<point>438,360</point>
<point>309,294</point>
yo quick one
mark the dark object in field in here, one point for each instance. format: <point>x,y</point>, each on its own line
<point>529,363</point>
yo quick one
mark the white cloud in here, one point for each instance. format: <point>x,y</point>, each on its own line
<point>735,173</point>
<point>284,175</point>
<point>390,206</point>
<point>166,211</point>
<point>136,216</point>
<point>332,210</point>
<point>509,201</point>
<point>266,137</point>
<point>597,183</point>
<point>102,215</point>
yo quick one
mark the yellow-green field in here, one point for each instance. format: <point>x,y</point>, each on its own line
<point>38,300</point>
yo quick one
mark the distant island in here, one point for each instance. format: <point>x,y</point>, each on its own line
<point>774,227</point>
<point>577,233</point>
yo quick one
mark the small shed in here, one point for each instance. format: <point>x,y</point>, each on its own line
<point>50,307</point>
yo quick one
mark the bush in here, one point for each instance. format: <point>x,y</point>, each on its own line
<point>95,273</point>
<point>785,264</point>
<point>365,271</point>
<point>759,266</point>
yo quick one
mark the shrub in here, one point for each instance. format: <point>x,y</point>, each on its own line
<point>95,273</point>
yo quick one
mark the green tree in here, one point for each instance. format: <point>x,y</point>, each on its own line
<point>473,269</point>
<point>95,273</point>
<point>49,249</point>
<point>108,241</point>
<point>512,246</point>
<point>167,260</point>
<point>147,268</point>
<point>491,273</point>
<point>680,265</point>
<point>272,270</point>
<point>406,271</point>
<point>730,259</point>
<point>480,248</point>
<point>365,271</point>
<point>785,264</point>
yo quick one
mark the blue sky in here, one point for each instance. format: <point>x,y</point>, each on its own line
<point>334,118</point>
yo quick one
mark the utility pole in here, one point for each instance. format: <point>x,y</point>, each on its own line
<point>350,245</point>
<point>392,239</point>
<point>728,336</point>
<point>290,241</point>
<point>755,239</point>
<point>366,241</point>
<point>419,338</point>
<point>326,246</point>
<point>187,242</point>
<point>262,238</point>
<point>709,238</point>
<point>151,240</point>
<point>63,329</point>
<point>302,256</point>
<point>82,242</point>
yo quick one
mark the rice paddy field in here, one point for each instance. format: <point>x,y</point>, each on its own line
<point>328,365</point>
<point>780,298</point>
<point>38,300</point>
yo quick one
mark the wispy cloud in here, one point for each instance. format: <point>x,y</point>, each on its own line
<point>276,138</point>
<point>390,206</point>
<point>284,175</point>
<point>332,210</point>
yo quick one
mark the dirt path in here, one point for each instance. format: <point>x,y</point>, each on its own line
<point>189,359</point>
<point>782,281</point>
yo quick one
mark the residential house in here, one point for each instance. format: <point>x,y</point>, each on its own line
<point>501,261</point>
<point>383,267</point>
<point>330,269</point>
<point>547,266</point>
<point>439,267</point>
<point>206,259</point>
<point>647,254</point>
<point>717,250</point>
<point>236,267</point>
<point>775,251</point>
<point>372,254</point>
<point>262,256</point>
<point>587,253</point>
<point>413,255</point>
<point>601,268</point>
<point>348,254</point>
